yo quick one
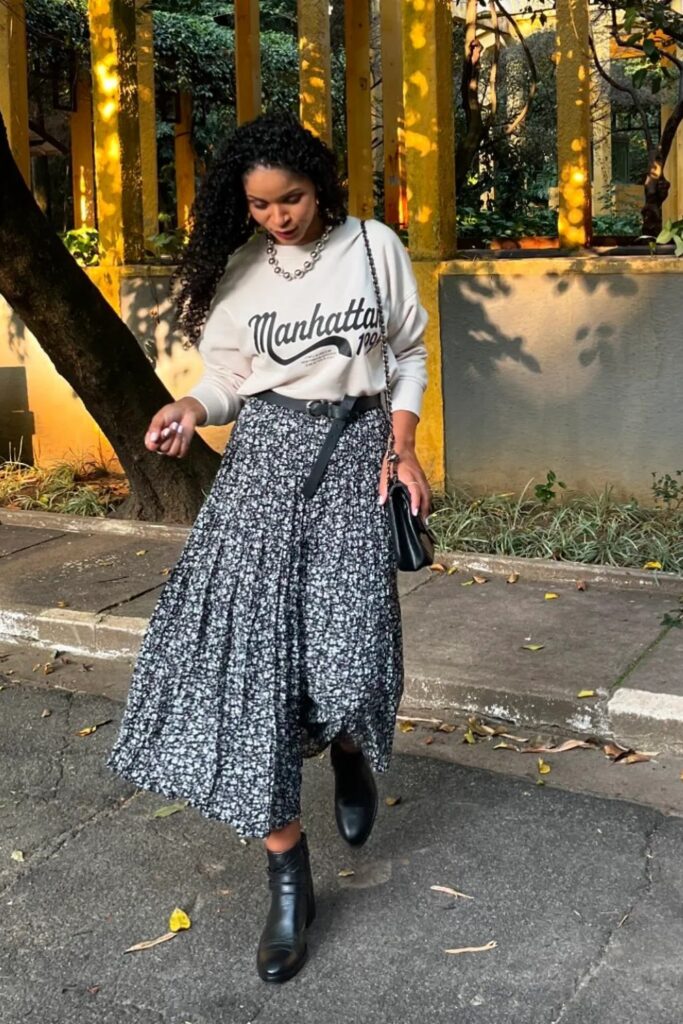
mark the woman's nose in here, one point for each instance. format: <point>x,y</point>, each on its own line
<point>281,216</point>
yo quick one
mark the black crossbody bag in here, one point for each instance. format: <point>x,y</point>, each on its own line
<point>413,542</point>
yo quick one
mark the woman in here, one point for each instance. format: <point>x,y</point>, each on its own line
<point>278,633</point>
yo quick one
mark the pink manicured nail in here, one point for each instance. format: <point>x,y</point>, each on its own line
<point>382,498</point>
<point>165,432</point>
<point>414,511</point>
<point>154,437</point>
<point>180,428</point>
<point>174,426</point>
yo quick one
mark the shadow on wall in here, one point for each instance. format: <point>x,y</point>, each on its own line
<point>147,309</point>
<point>579,370</point>
<point>16,421</point>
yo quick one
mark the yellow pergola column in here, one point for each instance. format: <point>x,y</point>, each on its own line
<point>395,210</point>
<point>673,207</point>
<point>429,131</point>
<point>247,60</point>
<point>358,107</point>
<point>315,77</point>
<point>148,128</point>
<point>601,106</point>
<point>118,169</point>
<point>14,82</point>
<point>572,63</point>
<point>82,156</point>
<point>184,161</point>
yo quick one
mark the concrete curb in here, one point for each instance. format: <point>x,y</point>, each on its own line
<point>497,565</point>
<point>87,633</point>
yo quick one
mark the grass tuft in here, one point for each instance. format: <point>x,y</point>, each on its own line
<point>595,529</point>
<point>81,488</point>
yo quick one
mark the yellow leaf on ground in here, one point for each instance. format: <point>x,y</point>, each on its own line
<point>586,693</point>
<point>543,767</point>
<point>89,729</point>
<point>652,565</point>
<point>513,577</point>
<point>406,727</point>
<point>168,809</point>
<point>62,604</point>
<point>346,873</point>
<point>473,949</point>
<point>453,569</point>
<point>467,583</point>
<point>17,855</point>
<point>179,920</point>
<point>143,551</point>
<point>149,943</point>
<point>450,892</point>
<point>391,801</point>
<point>533,647</point>
<point>550,596</point>
<point>437,567</point>
<point>469,737</point>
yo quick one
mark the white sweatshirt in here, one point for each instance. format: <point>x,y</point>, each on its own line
<point>316,336</point>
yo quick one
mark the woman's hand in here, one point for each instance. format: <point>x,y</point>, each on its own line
<point>410,473</point>
<point>172,429</point>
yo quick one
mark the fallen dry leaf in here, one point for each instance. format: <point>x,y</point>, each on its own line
<point>652,565</point>
<point>467,583</point>
<point>561,749</point>
<point>581,585</point>
<point>437,567</point>
<point>45,713</point>
<point>450,892</point>
<point>506,746</point>
<point>480,579</point>
<point>149,943</point>
<point>469,737</point>
<point>143,551</point>
<point>453,569</point>
<point>513,577</point>
<point>168,809</point>
<point>17,855</point>
<point>533,647</point>
<point>391,801</point>
<point>517,739</point>
<point>614,750</point>
<point>62,604</point>
<point>346,873</point>
<point>550,596</point>
<point>634,758</point>
<point>406,727</point>
<point>586,693</point>
<point>430,739</point>
<point>473,949</point>
<point>88,730</point>
<point>446,727</point>
<point>164,572</point>
<point>480,728</point>
<point>543,767</point>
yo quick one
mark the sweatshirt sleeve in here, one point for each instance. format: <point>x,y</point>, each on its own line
<point>225,368</point>
<point>406,326</point>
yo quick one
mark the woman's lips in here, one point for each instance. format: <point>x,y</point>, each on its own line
<point>286,234</point>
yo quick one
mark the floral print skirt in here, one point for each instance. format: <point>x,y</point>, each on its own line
<point>278,629</point>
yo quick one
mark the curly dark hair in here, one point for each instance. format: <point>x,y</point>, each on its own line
<point>220,220</point>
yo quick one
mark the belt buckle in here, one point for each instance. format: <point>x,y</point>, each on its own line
<point>316,407</point>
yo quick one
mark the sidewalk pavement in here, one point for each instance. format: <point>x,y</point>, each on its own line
<point>580,896</point>
<point>89,586</point>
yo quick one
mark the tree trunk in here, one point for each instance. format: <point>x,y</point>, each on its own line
<point>656,184</point>
<point>95,352</point>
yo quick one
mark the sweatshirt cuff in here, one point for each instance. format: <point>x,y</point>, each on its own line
<point>220,407</point>
<point>407,396</point>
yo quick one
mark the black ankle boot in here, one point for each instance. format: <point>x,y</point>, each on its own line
<point>355,794</point>
<point>282,949</point>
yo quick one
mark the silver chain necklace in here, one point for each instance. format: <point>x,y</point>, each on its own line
<point>308,264</point>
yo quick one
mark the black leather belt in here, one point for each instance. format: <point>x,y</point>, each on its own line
<point>338,412</point>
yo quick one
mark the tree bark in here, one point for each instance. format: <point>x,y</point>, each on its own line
<point>656,184</point>
<point>95,352</point>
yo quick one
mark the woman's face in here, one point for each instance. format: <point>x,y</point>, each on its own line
<point>284,204</point>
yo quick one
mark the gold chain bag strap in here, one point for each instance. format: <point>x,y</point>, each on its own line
<point>413,543</point>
